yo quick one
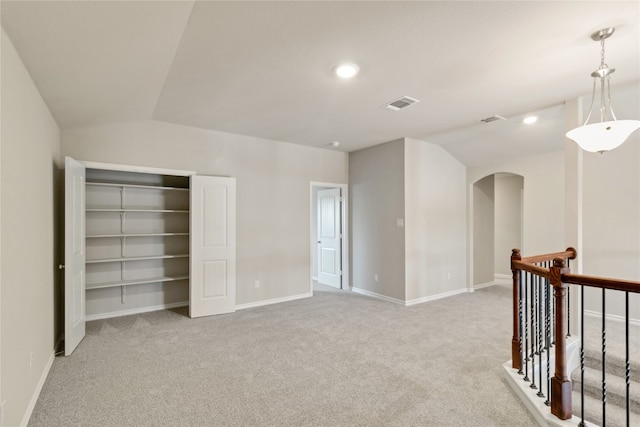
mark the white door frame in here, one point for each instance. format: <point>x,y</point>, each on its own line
<point>344,214</point>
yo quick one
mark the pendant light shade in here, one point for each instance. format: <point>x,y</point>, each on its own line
<point>607,134</point>
<point>604,136</point>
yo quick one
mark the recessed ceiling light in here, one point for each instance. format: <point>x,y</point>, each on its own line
<point>346,71</point>
<point>334,143</point>
<point>530,120</point>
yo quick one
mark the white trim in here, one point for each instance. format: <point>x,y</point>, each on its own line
<point>436,297</point>
<point>534,404</point>
<point>273,301</point>
<point>484,285</point>
<point>376,295</point>
<point>36,392</point>
<point>503,279</point>
<point>140,310</point>
<point>140,169</point>
<point>612,317</point>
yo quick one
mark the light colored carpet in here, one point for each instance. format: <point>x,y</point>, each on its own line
<point>337,359</point>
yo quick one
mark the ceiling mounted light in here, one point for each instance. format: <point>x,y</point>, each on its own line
<point>607,134</point>
<point>335,143</point>
<point>530,120</point>
<point>346,71</point>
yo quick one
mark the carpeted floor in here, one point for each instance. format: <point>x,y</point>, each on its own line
<point>337,359</point>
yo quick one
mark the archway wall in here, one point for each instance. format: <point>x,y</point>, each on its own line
<point>507,219</point>
<point>542,207</point>
<point>484,230</point>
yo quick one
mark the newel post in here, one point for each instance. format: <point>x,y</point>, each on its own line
<point>516,350</point>
<point>560,383</point>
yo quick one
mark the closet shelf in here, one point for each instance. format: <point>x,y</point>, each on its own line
<point>101,236</point>
<point>147,187</point>
<point>133,282</point>
<point>139,258</point>
<point>138,210</point>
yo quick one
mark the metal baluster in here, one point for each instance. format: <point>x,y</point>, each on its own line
<point>569,311</point>
<point>526,329</point>
<point>533,332</point>
<point>520,320</point>
<point>627,373</point>
<point>581,424</point>
<point>547,324</point>
<point>536,332</point>
<point>604,361</point>
<point>553,315</point>
<point>569,303</point>
<point>540,393</point>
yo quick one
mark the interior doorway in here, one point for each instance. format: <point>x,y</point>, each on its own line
<point>329,236</point>
<point>497,227</point>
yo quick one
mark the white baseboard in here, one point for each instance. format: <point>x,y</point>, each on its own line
<point>612,317</point>
<point>36,392</point>
<point>135,311</point>
<point>413,301</point>
<point>484,285</point>
<point>436,297</point>
<point>376,295</point>
<point>273,301</point>
<point>503,279</point>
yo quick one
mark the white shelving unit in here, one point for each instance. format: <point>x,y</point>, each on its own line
<point>137,242</point>
<point>141,239</point>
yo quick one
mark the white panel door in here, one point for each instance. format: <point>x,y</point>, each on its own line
<point>74,254</point>
<point>212,287</point>
<point>329,238</point>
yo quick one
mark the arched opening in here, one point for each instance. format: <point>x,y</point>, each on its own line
<point>497,227</point>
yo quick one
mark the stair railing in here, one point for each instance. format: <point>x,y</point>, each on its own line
<point>541,311</point>
<point>534,314</point>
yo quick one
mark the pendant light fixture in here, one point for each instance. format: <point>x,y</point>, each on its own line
<point>610,132</point>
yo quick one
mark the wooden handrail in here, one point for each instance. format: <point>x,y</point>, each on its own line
<point>530,268</point>
<point>569,253</point>
<point>602,282</point>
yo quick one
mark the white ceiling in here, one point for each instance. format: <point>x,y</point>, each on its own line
<point>265,68</point>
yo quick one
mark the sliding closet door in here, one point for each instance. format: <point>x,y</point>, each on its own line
<point>213,246</point>
<point>74,255</point>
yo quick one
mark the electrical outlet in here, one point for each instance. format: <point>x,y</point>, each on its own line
<point>375,277</point>
<point>257,284</point>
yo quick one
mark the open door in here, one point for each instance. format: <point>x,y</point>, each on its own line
<point>212,287</point>
<point>329,238</point>
<point>74,255</point>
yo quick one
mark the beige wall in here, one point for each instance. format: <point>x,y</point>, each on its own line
<point>508,218</point>
<point>30,169</point>
<point>483,231</point>
<point>611,213</point>
<point>435,221</point>
<point>423,186</point>
<point>273,180</point>
<point>376,191</point>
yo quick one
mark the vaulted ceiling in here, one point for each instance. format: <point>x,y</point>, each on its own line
<point>265,68</point>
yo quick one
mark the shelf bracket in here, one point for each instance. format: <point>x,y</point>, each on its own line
<point>122,293</point>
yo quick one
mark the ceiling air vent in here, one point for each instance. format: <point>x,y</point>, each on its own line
<point>401,103</point>
<point>492,119</point>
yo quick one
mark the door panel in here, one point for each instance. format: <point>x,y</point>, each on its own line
<point>213,246</point>
<point>329,238</point>
<point>74,255</point>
